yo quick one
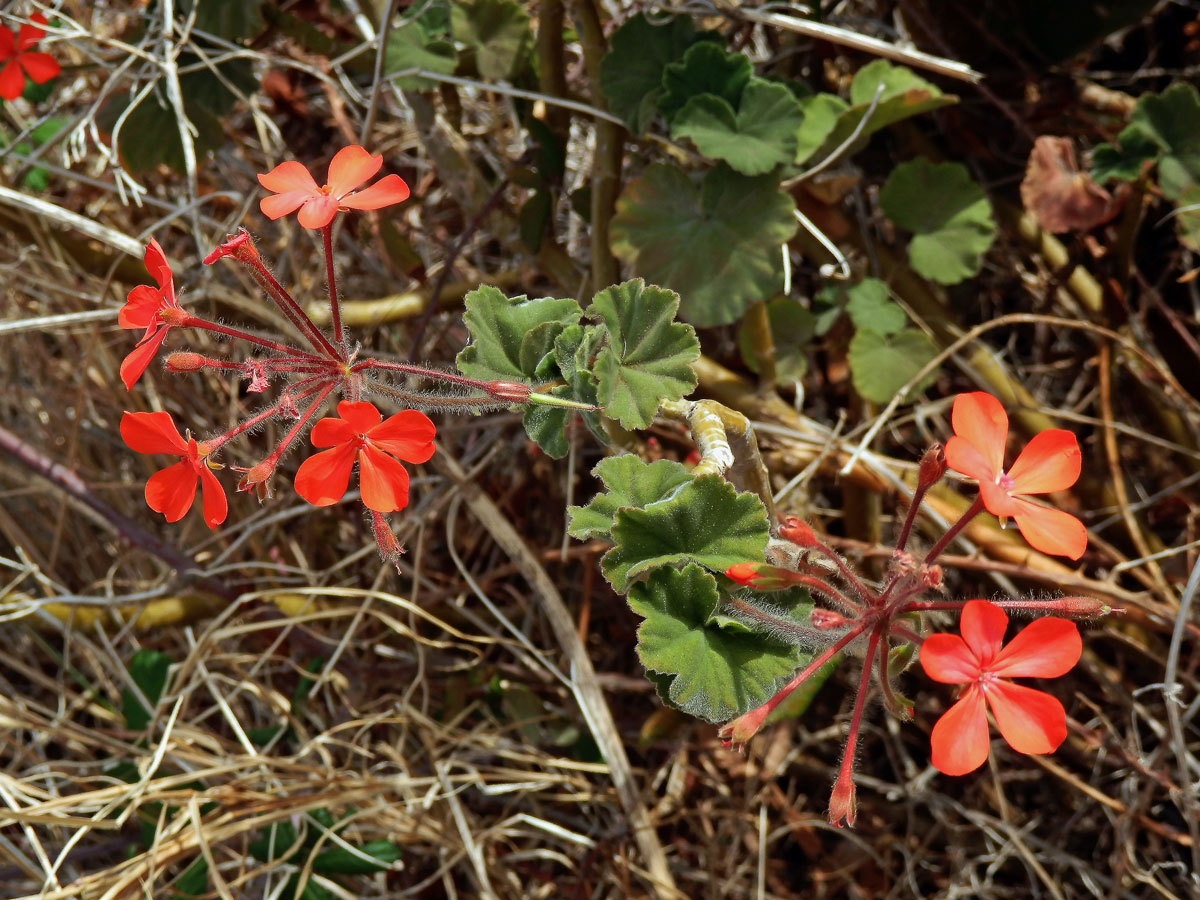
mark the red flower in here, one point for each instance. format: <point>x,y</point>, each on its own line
<point>1049,462</point>
<point>19,62</point>
<point>294,188</point>
<point>172,490</point>
<point>408,435</point>
<point>143,309</point>
<point>1031,721</point>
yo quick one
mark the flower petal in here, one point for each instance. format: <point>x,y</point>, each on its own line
<point>407,435</point>
<point>350,167</point>
<point>948,659</point>
<point>981,421</point>
<point>361,416</point>
<point>382,480</point>
<point>279,205</point>
<point>322,479</point>
<point>12,79</point>
<point>152,432</point>
<point>982,626</point>
<point>8,45</point>
<point>172,490</point>
<point>289,177</point>
<point>1049,462</point>
<point>216,507</point>
<point>1031,721</point>
<point>329,432</point>
<point>1046,648</point>
<point>386,191</point>
<point>141,307</point>
<point>960,737</point>
<point>964,457</point>
<point>133,365</point>
<point>30,34</point>
<point>1050,530</point>
<point>997,500</point>
<point>41,67</point>
<point>317,212</point>
<point>156,263</point>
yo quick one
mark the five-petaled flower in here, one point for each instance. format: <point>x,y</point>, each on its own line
<point>1049,462</point>
<point>172,490</point>
<point>1031,721</point>
<point>359,434</point>
<point>143,309</point>
<point>19,61</point>
<point>294,188</point>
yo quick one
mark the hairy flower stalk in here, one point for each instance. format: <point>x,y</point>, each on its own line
<point>329,368</point>
<point>890,616</point>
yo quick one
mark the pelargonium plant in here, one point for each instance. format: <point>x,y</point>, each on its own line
<point>329,367</point>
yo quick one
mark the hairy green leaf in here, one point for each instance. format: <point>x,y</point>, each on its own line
<point>509,337</point>
<point>718,247</point>
<point>706,68</point>
<point>715,673</point>
<point>342,861</point>
<point>949,214</point>
<point>1172,120</point>
<point>705,521</point>
<point>408,47</point>
<point>1125,160</point>
<point>649,355</point>
<point>881,364</point>
<point>147,670</point>
<point>870,306</point>
<point>756,138</point>
<point>630,482</point>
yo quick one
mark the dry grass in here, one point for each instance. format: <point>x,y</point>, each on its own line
<point>485,711</point>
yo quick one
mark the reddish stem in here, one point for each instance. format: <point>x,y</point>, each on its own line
<point>290,308</point>
<point>975,509</point>
<point>190,321</point>
<point>335,312</point>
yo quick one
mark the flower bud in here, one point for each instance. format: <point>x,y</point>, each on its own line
<point>512,391</point>
<point>240,247</point>
<point>842,805</point>
<point>933,466</point>
<point>184,361</point>
<point>796,530</point>
<point>257,479</point>
<point>827,618</point>
<point>174,316</point>
<point>761,576</point>
<point>389,548</point>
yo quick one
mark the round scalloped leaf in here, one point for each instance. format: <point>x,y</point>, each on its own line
<point>1125,160</point>
<point>881,364</point>
<point>706,68</point>
<point>649,355</point>
<point>1172,119</point>
<point>869,305</point>
<point>705,521</point>
<point>630,483</point>
<point>510,337</point>
<point>949,214</point>
<point>756,138</point>
<point>717,673</point>
<point>499,33</point>
<point>718,247</point>
<point>408,47</point>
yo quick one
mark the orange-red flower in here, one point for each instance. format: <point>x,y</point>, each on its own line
<point>143,309</point>
<point>19,61</point>
<point>1049,462</point>
<point>1031,721</point>
<point>172,491</point>
<point>294,188</point>
<point>359,434</point>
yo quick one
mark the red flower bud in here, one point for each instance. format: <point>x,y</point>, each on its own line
<point>933,466</point>
<point>842,805</point>
<point>761,576</point>
<point>511,391</point>
<point>240,247</point>
<point>185,361</point>
<point>796,530</point>
<point>827,618</point>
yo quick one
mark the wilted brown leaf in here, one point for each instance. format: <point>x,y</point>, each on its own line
<point>1058,194</point>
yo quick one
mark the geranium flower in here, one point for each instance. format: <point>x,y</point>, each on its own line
<point>143,309</point>
<point>19,61</point>
<point>1049,462</point>
<point>1031,721</point>
<point>294,188</point>
<point>359,434</point>
<point>172,490</point>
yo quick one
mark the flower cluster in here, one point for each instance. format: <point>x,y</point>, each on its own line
<point>17,59</point>
<point>888,619</point>
<point>329,367</point>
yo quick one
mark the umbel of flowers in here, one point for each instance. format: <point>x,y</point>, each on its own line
<point>311,377</point>
<point>882,623</point>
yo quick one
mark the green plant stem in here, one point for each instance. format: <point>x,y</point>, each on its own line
<point>762,343</point>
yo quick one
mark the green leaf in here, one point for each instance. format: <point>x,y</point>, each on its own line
<point>649,355</point>
<point>881,364</point>
<point>340,861</point>
<point>630,483</point>
<point>1172,120</point>
<point>274,842</point>
<point>572,350</point>
<point>631,73</point>
<point>949,214</point>
<point>870,306</point>
<point>1126,160</point>
<point>409,47</point>
<point>706,68</point>
<point>832,122</point>
<point>718,247</point>
<point>193,882</point>
<point>792,330</point>
<point>715,673</point>
<point>229,20</point>
<point>140,155</point>
<point>505,334</point>
<point>754,140</point>
<point>705,521</point>
<point>499,33</point>
<point>147,670</point>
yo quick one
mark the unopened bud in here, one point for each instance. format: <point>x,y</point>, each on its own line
<point>1081,607</point>
<point>389,548</point>
<point>933,466</point>
<point>174,316</point>
<point>796,530</point>
<point>240,247</point>
<point>827,618</point>
<point>512,391</point>
<point>761,576</point>
<point>184,361</point>
<point>842,805</point>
